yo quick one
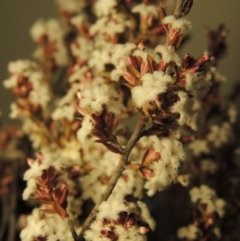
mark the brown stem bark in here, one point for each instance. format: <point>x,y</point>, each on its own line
<point>178,9</point>
<point>72,229</point>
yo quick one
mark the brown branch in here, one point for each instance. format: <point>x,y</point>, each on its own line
<point>116,174</point>
<point>178,9</point>
<point>72,229</point>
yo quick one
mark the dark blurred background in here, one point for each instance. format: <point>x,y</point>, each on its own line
<point>17,16</point>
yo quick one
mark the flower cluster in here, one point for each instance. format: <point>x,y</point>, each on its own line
<point>28,84</point>
<point>162,164</point>
<point>121,221</point>
<point>208,204</point>
<point>41,226</point>
<point>114,111</point>
<point>50,37</point>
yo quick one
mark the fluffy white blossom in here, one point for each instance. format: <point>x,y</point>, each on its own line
<point>21,67</point>
<point>50,226</point>
<point>120,53</point>
<point>199,146</point>
<point>184,107</point>
<point>94,99</point>
<point>165,170</point>
<point>34,132</point>
<point>217,232</point>
<point>99,58</point>
<point>40,93</point>
<point>125,221</point>
<point>168,54</point>
<point>146,10</point>
<point>152,85</point>
<point>110,26</point>
<point>220,134</point>
<point>85,130</point>
<point>79,19</point>
<point>198,84</point>
<point>82,48</point>
<point>55,34</point>
<point>105,7</point>
<point>50,159</point>
<point>180,24</point>
<point>95,181</point>
<point>130,183</point>
<point>11,82</point>
<point>50,28</point>
<point>232,113</point>
<point>70,152</point>
<point>190,232</point>
<point>66,111</point>
<point>208,165</point>
<point>206,195</point>
<point>35,171</point>
<point>14,111</point>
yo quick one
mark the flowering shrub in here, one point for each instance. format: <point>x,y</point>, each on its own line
<point>112,113</point>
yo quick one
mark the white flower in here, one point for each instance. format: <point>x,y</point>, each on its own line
<point>197,84</point>
<point>40,93</point>
<point>14,113</point>
<point>53,30</point>
<point>71,153</point>
<point>232,113</point>
<point>121,51</point>
<point>105,7</point>
<point>146,215</point>
<point>79,19</point>
<point>130,183</point>
<point>220,135</point>
<point>168,54</point>
<point>199,146</point>
<point>38,30</point>
<point>21,67</point>
<point>180,24</point>
<point>146,10</point>
<point>110,26</point>
<point>184,107</point>
<point>206,195</point>
<point>66,111</point>
<point>190,232</point>
<point>152,85</point>
<point>94,99</point>
<point>11,82</point>
<point>99,58</point>
<point>217,232</point>
<point>208,165</point>
<point>51,226</point>
<point>126,227</point>
<point>203,192</point>
<point>82,48</point>
<point>165,170</point>
<point>85,130</point>
<point>183,179</point>
<point>219,206</point>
